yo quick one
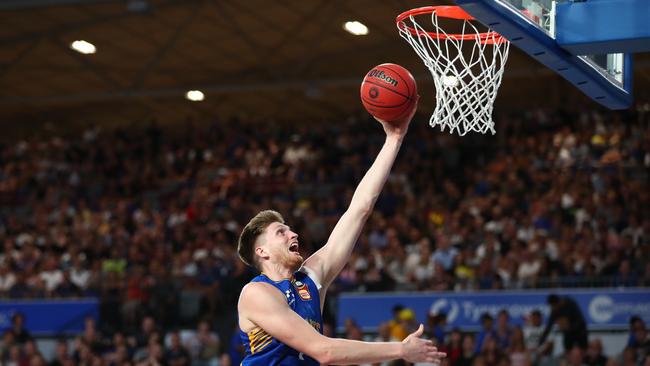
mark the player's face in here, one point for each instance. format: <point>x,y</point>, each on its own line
<point>282,246</point>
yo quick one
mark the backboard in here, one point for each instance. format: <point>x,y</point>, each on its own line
<point>534,26</point>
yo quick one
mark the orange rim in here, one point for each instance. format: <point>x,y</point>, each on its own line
<point>451,12</point>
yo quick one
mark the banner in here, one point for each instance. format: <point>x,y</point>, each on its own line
<point>50,317</point>
<point>601,308</point>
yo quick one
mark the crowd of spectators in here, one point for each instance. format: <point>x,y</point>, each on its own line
<point>506,342</point>
<point>147,219</point>
<point>149,345</point>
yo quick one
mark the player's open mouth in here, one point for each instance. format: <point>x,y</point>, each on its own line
<point>293,248</point>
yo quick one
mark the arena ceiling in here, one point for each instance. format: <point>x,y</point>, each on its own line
<point>280,59</point>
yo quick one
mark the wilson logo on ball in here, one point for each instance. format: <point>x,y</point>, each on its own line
<point>382,76</point>
<point>388,92</point>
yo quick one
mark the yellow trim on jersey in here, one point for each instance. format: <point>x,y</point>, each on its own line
<point>258,339</point>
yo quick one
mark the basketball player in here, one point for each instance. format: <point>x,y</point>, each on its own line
<point>280,310</point>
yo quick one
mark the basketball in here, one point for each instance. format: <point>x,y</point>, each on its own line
<point>388,92</point>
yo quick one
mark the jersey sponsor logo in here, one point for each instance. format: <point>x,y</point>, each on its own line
<point>304,294</point>
<point>303,290</point>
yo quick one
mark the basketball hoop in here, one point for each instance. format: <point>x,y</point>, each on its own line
<point>466,67</point>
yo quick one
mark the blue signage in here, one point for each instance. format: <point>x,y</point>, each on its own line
<point>43,317</point>
<point>602,308</point>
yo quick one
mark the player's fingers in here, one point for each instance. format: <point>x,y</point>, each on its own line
<point>432,360</point>
<point>415,107</point>
<point>419,332</point>
<point>433,351</point>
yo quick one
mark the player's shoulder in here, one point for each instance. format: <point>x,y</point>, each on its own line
<point>254,288</point>
<point>255,292</point>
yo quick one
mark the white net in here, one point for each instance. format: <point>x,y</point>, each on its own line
<point>466,70</point>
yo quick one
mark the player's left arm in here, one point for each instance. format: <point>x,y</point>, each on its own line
<point>329,260</point>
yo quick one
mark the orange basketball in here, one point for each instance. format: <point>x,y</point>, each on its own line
<point>388,92</point>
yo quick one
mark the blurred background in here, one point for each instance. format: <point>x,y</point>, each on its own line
<point>130,163</point>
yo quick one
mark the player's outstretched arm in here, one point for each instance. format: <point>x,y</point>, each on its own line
<point>328,261</point>
<point>264,306</point>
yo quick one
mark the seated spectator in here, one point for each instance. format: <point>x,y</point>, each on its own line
<point>635,323</point>
<point>176,354</point>
<point>7,279</point>
<point>66,288</point>
<point>435,329</point>
<point>641,343</point>
<point>454,348</point>
<point>397,331</point>
<point>491,352</point>
<point>479,361</point>
<point>119,356</point>
<point>574,357</point>
<point>91,337</point>
<point>405,324</point>
<point>203,345</point>
<point>503,332</point>
<point>51,274</point>
<point>445,252</point>
<point>383,333</point>
<point>79,274</point>
<point>147,329</point>
<point>82,354</point>
<point>8,340</point>
<point>20,288</point>
<point>61,354</point>
<point>518,353</point>
<point>37,360</point>
<point>31,352</point>
<point>118,340</point>
<point>627,357</point>
<point>468,351</point>
<point>533,330</point>
<point>420,268</point>
<point>594,355</point>
<point>21,334</point>
<point>152,355</point>
<point>15,357</point>
<point>353,330</point>
<point>487,330</point>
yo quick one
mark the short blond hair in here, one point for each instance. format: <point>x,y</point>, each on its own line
<point>252,231</point>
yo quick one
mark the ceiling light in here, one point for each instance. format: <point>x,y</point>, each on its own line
<point>195,95</point>
<point>355,27</point>
<point>84,47</point>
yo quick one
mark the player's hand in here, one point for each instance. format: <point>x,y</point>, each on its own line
<point>399,127</point>
<point>416,349</point>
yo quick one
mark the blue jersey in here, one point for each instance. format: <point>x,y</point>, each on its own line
<point>302,296</point>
